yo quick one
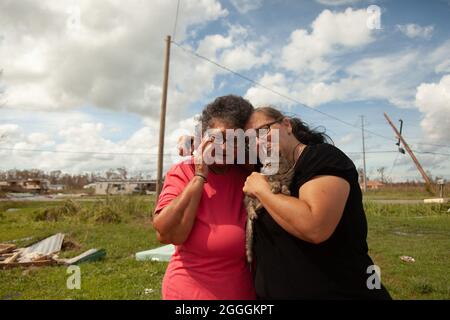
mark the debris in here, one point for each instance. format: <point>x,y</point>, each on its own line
<point>45,253</point>
<point>13,257</point>
<point>90,255</point>
<point>407,259</point>
<point>436,200</point>
<point>6,247</point>
<point>148,291</point>
<point>45,247</point>
<point>159,254</point>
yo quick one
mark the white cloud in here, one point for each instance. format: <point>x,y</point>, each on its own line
<point>392,77</point>
<point>413,30</point>
<point>433,100</point>
<point>84,147</point>
<point>109,56</point>
<point>337,2</point>
<point>260,96</point>
<point>346,139</point>
<point>331,32</point>
<point>244,6</point>
<point>113,62</point>
<point>370,78</point>
<point>8,131</point>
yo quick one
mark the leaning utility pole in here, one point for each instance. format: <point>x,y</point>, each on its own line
<point>408,149</point>
<point>364,156</point>
<point>162,121</point>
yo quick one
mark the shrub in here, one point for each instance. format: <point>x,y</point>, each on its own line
<point>68,209</point>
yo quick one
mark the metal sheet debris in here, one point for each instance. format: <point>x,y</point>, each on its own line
<point>44,253</point>
<point>90,255</point>
<point>159,254</point>
<point>46,247</point>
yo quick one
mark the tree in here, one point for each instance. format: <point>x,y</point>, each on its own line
<point>381,172</point>
<point>122,173</point>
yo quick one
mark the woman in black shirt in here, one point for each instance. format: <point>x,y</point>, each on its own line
<point>312,244</point>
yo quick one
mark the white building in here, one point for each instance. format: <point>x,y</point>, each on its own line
<point>123,187</point>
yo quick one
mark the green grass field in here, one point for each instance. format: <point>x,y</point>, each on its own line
<point>420,231</point>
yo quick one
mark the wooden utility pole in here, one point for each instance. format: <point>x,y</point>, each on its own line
<point>408,149</point>
<point>162,120</point>
<point>364,156</point>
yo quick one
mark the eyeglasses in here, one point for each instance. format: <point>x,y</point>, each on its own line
<point>264,130</point>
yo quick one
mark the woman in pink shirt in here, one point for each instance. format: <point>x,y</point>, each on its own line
<point>201,211</point>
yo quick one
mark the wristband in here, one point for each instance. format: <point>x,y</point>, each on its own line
<point>200,175</point>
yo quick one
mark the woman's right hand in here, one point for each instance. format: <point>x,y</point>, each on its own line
<point>200,154</point>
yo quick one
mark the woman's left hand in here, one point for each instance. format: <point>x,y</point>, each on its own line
<point>255,184</point>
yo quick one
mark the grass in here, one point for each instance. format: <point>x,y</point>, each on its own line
<point>421,235</point>
<point>118,276</point>
<point>405,192</point>
<point>420,231</point>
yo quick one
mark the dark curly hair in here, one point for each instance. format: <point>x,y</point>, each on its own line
<point>233,110</point>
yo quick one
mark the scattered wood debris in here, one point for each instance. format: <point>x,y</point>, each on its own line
<point>6,248</point>
<point>44,253</point>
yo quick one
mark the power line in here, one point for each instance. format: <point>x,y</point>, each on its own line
<point>393,151</point>
<point>257,83</point>
<point>430,144</point>
<point>176,21</point>
<point>394,163</point>
<point>84,152</point>
<point>287,97</point>
<point>273,90</point>
<point>169,154</point>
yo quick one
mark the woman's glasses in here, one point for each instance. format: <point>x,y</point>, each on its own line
<point>264,130</point>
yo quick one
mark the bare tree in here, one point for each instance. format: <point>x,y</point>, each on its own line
<point>122,173</point>
<point>381,172</point>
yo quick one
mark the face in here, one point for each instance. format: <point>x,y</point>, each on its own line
<point>218,128</point>
<point>259,120</point>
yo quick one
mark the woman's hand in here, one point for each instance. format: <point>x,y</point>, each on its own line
<point>256,184</point>
<point>202,151</point>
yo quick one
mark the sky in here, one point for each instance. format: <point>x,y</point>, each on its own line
<point>81,80</point>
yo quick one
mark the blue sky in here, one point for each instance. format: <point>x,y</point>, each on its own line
<point>81,77</point>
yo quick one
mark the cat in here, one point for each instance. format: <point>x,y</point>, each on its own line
<point>279,183</point>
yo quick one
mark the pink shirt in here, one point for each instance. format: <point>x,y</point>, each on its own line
<point>211,263</point>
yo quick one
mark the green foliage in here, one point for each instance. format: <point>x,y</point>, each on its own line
<point>109,210</point>
<point>421,231</point>
<point>68,209</point>
<point>405,210</point>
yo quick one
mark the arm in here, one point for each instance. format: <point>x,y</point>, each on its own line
<point>314,215</point>
<point>174,222</point>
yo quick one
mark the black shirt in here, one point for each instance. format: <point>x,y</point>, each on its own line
<point>289,268</point>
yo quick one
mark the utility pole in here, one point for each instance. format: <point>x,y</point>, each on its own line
<point>162,120</point>
<point>408,149</point>
<point>364,156</point>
